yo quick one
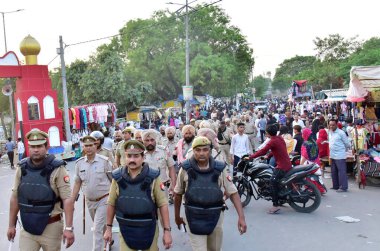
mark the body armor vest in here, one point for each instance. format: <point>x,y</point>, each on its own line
<point>204,198</point>
<point>36,198</point>
<point>135,210</point>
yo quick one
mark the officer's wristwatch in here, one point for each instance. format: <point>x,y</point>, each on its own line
<point>71,229</point>
<point>169,229</point>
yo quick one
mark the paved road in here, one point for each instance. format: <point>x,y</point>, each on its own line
<point>286,231</point>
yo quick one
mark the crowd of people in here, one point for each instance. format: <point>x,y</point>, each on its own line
<point>135,174</point>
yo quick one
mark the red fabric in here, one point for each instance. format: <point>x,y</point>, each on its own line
<point>77,118</point>
<point>300,82</point>
<point>322,148</point>
<point>278,147</point>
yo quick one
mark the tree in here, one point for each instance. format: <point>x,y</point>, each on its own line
<point>335,47</point>
<point>290,70</point>
<point>260,83</point>
<point>220,58</point>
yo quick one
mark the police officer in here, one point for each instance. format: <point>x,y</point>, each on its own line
<point>224,137</point>
<point>250,130</point>
<point>102,150</point>
<point>172,141</point>
<point>161,138</point>
<point>135,195</point>
<point>203,207</point>
<point>118,136</point>
<point>157,157</point>
<point>93,174</point>
<point>120,153</point>
<point>41,193</point>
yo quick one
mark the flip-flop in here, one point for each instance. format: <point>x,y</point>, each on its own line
<point>274,211</point>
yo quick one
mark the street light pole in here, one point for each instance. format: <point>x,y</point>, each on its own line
<point>187,60</point>
<point>10,96</point>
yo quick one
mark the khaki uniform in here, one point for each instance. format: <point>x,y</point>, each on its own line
<point>214,153</point>
<point>251,131</point>
<point>161,160</point>
<point>120,152</point>
<point>107,153</point>
<point>114,148</point>
<point>171,145</point>
<point>51,238</point>
<point>158,197</point>
<point>162,140</point>
<point>178,134</point>
<point>96,181</point>
<point>212,242</point>
<point>225,145</point>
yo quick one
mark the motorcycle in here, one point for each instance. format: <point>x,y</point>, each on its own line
<point>294,188</point>
<point>315,177</point>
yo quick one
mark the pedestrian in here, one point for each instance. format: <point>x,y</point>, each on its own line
<point>240,145</point>
<point>9,147</point>
<point>172,142</point>
<point>20,149</point>
<point>323,146</point>
<point>298,121</point>
<point>93,175</point>
<point>297,135</point>
<point>41,193</point>
<point>158,158</point>
<point>262,125</point>
<point>108,141</point>
<point>117,137</point>
<point>203,198</point>
<point>338,144</point>
<point>135,196</point>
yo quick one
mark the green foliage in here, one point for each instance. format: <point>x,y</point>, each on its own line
<point>261,84</point>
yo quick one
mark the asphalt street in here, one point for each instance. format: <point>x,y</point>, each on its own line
<point>288,230</point>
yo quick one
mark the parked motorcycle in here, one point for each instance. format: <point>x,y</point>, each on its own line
<point>254,181</point>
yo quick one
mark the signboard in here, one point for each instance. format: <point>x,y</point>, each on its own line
<point>254,90</point>
<point>187,92</point>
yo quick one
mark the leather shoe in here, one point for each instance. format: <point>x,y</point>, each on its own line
<point>333,188</point>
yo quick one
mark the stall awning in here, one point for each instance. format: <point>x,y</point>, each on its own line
<point>363,80</point>
<point>336,94</point>
<point>192,102</point>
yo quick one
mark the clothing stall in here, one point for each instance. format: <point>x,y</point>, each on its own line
<point>364,93</point>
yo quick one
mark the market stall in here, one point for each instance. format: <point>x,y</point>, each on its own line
<point>364,92</point>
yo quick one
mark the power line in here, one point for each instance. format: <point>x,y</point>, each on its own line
<point>145,27</point>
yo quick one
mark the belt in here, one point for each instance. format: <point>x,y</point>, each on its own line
<point>54,218</point>
<point>249,133</point>
<point>100,198</point>
<point>224,143</point>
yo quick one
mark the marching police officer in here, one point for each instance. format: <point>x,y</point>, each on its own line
<point>41,193</point>
<point>135,195</point>
<point>157,157</point>
<point>120,153</point>
<point>203,207</point>
<point>93,174</point>
<point>99,136</point>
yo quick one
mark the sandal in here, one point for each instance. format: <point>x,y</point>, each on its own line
<point>274,211</point>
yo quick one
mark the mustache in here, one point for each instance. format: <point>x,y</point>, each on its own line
<point>132,163</point>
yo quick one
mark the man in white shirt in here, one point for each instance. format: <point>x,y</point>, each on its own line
<point>20,149</point>
<point>240,145</point>
<point>297,121</point>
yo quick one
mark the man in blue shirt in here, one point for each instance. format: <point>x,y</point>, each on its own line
<point>10,146</point>
<point>338,143</point>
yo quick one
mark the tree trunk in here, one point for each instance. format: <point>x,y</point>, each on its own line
<point>3,125</point>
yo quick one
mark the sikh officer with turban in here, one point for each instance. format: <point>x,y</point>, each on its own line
<point>184,144</point>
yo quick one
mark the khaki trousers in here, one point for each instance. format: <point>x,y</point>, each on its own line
<point>212,242</point>
<point>225,152</point>
<point>50,240</point>
<point>98,213</point>
<point>153,247</point>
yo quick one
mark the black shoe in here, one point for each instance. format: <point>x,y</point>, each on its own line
<point>333,188</point>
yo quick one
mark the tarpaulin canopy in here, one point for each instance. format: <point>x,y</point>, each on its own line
<point>363,80</point>
<point>192,102</point>
<point>300,82</point>
<point>336,94</point>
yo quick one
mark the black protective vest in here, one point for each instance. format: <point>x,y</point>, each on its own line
<point>204,198</point>
<point>36,198</point>
<point>135,210</point>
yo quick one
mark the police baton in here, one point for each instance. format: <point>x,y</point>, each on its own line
<point>84,214</point>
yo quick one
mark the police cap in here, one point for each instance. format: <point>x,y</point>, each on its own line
<point>88,140</point>
<point>37,137</point>
<point>200,141</point>
<point>134,147</point>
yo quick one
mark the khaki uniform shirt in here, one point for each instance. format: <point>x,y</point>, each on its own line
<point>178,134</point>
<point>163,141</point>
<point>171,145</point>
<point>58,182</point>
<point>107,153</point>
<point>227,136</point>
<point>224,181</point>
<point>114,148</point>
<point>250,128</point>
<point>158,195</point>
<point>95,176</point>
<point>214,153</point>
<point>120,152</point>
<point>161,160</point>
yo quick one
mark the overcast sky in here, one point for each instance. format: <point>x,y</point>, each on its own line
<point>275,29</point>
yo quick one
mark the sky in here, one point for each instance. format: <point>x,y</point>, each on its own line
<point>275,29</point>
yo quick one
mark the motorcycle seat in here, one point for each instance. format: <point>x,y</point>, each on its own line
<point>298,168</point>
